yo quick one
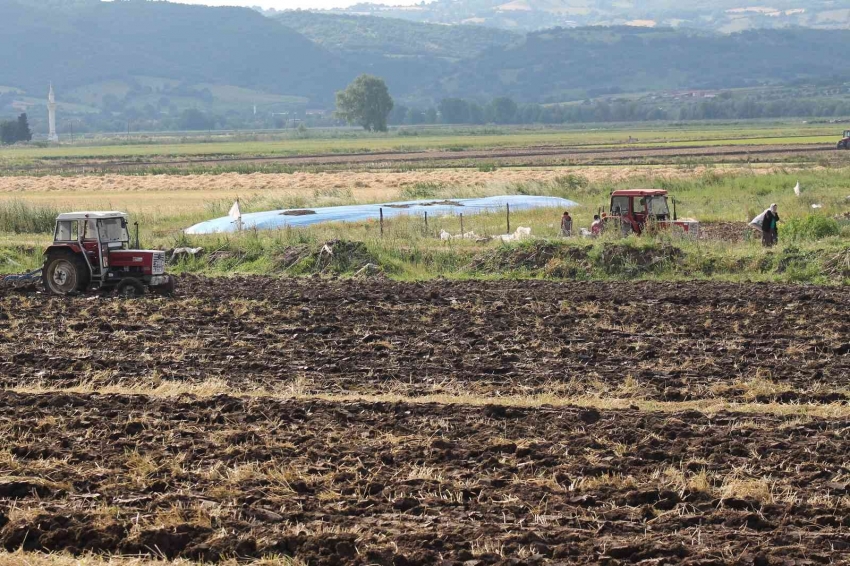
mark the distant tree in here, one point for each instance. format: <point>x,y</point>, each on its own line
<point>398,114</point>
<point>414,116</point>
<point>477,115</point>
<point>194,119</point>
<point>503,110</point>
<point>367,102</point>
<point>23,128</point>
<point>8,132</point>
<point>454,111</point>
<point>431,115</point>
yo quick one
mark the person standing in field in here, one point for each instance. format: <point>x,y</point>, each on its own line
<point>566,225</point>
<point>596,227</point>
<point>769,230</point>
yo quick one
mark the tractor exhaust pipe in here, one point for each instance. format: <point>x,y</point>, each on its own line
<point>675,216</point>
<point>138,245</point>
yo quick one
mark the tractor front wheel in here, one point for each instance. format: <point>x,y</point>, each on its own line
<point>130,288</point>
<point>65,273</point>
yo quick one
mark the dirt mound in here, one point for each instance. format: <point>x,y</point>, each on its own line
<point>333,257</point>
<point>628,260</point>
<point>724,231</point>
<point>838,264</point>
<point>532,256</point>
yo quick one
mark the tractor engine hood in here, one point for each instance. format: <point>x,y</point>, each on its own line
<point>149,262</point>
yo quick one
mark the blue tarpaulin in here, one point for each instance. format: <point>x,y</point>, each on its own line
<point>276,219</point>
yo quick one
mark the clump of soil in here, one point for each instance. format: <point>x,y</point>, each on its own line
<point>333,256</point>
<point>838,264</point>
<point>551,257</point>
<point>625,259</point>
<point>723,231</point>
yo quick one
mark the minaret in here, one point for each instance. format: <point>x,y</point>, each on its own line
<point>51,116</point>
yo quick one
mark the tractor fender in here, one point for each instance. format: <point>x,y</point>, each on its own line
<point>73,248</point>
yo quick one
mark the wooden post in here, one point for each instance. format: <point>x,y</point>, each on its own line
<point>426,220</point>
<point>381,213</point>
<point>461,225</point>
<point>509,218</point>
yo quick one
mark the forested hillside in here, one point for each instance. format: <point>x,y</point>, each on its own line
<point>162,65</point>
<point>567,64</point>
<point>394,37</point>
<point>107,40</point>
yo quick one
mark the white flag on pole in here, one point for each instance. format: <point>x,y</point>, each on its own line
<point>235,212</point>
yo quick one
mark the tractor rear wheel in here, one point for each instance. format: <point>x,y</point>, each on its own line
<point>130,288</point>
<point>65,273</point>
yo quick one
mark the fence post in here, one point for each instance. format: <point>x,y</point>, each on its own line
<point>461,225</point>
<point>509,218</point>
<point>381,213</point>
<point>426,221</point>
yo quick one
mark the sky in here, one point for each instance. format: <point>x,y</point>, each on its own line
<point>292,4</point>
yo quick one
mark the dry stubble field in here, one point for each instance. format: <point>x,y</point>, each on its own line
<point>164,194</point>
<point>375,422</point>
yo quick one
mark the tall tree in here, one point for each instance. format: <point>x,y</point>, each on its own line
<point>8,132</point>
<point>23,128</point>
<point>367,102</point>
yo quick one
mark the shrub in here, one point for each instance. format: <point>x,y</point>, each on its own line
<point>811,227</point>
<point>422,190</point>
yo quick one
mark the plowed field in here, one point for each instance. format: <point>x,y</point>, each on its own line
<point>277,456</point>
<point>676,342</point>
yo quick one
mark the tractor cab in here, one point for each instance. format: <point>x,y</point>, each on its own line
<point>639,210</point>
<point>636,207</point>
<point>845,140</point>
<point>93,249</point>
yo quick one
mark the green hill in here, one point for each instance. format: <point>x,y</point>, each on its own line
<point>393,37</point>
<point>411,56</point>
<point>163,65</point>
<point>563,64</point>
<point>105,41</point>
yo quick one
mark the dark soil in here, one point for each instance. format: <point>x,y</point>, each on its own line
<point>418,484</point>
<point>732,232</point>
<point>664,341</point>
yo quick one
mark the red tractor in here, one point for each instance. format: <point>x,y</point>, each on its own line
<point>845,141</point>
<point>635,211</point>
<point>92,250</point>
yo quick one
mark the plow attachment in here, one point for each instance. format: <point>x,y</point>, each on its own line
<point>31,280</point>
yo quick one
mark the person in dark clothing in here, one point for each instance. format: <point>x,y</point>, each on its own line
<point>769,230</point>
<point>566,225</point>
